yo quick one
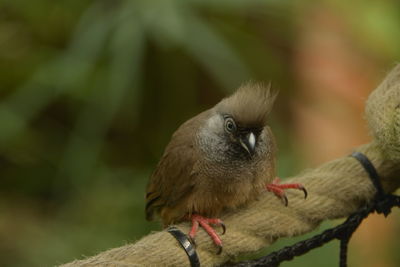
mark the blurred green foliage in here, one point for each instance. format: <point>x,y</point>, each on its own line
<point>92,90</point>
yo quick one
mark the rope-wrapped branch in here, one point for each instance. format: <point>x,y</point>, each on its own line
<point>335,189</point>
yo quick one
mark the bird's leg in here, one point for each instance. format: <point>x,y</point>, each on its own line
<point>278,189</point>
<point>206,223</point>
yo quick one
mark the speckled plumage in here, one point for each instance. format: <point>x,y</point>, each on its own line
<point>205,169</point>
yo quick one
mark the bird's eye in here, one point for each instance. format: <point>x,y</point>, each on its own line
<point>230,125</point>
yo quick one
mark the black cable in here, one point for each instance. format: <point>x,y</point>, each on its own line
<point>383,203</point>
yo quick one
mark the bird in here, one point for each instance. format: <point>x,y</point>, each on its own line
<point>218,161</point>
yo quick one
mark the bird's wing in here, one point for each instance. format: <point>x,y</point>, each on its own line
<point>174,177</point>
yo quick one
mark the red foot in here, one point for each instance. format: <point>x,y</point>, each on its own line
<point>278,189</point>
<point>205,223</point>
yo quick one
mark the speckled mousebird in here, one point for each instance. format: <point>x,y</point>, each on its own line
<point>219,160</point>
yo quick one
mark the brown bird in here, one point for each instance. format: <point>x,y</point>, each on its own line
<point>219,160</point>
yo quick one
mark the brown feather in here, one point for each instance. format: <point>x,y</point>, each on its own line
<point>173,180</point>
<point>250,104</point>
<point>189,180</point>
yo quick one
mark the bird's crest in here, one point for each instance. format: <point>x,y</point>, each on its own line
<point>250,104</point>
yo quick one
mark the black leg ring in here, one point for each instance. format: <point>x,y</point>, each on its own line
<point>186,245</point>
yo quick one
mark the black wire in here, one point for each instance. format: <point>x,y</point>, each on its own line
<point>339,232</point>
<point>382,204</point>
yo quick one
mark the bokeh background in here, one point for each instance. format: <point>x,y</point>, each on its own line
<point>91,92</point>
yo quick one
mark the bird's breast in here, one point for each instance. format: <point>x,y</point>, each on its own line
<point>221,188</point>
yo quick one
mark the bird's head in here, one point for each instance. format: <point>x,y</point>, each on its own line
<point>236,129</point>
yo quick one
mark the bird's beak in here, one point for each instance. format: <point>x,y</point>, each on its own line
<point>248,142</point>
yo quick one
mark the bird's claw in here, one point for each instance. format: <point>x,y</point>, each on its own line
<point>302,188</point>
<point>284,200</point>
<point>223,228</point>
<point>219,251</point>
<point>205,223</point>
<point>278,189</point>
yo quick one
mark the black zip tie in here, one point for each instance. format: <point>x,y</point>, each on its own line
<point>374,177</point>
<point>373,174</point>
<point>382,203</point>
<point>186,245</point>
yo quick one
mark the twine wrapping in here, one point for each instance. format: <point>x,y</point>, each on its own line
<point>383,114</point>
<point>335,190</point>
